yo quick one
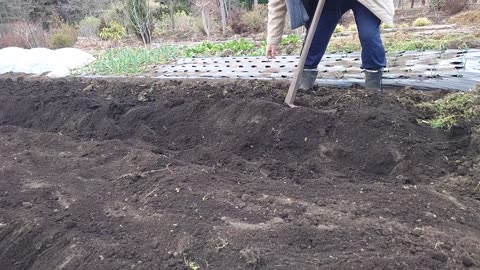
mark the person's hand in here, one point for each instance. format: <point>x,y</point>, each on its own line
<point>271,51</point>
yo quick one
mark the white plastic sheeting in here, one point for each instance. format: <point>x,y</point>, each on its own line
<point>56,63</point>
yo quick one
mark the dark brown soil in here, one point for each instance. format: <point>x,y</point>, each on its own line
<point>134,174</point>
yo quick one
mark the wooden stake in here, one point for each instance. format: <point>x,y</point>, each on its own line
<point>292,91</point>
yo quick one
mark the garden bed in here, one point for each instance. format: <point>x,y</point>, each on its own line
<point>192,174</point>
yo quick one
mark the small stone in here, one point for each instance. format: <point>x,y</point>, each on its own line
<point>462,170</point>
<point>440,257</point>
<point>322,132</point>
<point>283,214</point>
<point>70,225</point>
<point>321,203</point>
<point>154,244</point>
<point>467,261</point>
<point>27,204</point>
<point>89,88</point>
<point>175,254</point>
<point>446,246</point>
<point>245,197</point>
<point>298,222</point>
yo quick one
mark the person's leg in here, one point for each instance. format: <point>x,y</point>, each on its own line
<point>373,52</point>
<point>332,12</point>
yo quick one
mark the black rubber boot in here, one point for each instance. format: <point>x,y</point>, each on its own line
<point>307,81</point>
<point>373,79</point>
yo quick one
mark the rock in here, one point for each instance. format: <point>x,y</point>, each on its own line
<point>89,88</point>
<point>27,204</point>
<point>446,246</point>
<point>406,180</point>
<point>462,170</point>
<point>467,261</point>
<point>245,197</point>
<point>439,256</point>
<point>321,203</point>
<point>70,225</point>
<point>322,132</point>
<point>154,244</point>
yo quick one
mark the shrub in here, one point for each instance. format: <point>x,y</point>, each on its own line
<point>419,22</point>
<point>253,21</point>
<point>23,34</point>
<point>352,27</point>
<point>113,31</point>
<point>256,20</point>
<point>66,36</point>
<point>386,26</point>
<point>236,23</point>
<point>89,27</point>
<point>184,23</point>
<point>455,6</point>
<point>467,18</point>
<point>117,12</point>
<point>436,4</point>
<point>404,25</point>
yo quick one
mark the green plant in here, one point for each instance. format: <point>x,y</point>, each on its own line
<point>122,61</point>
<point>89,27</point>
<point>113,31</point>
<point>404,25</point>
<point>451,109</point>
<point>419,22</point>
<point>339,29</point>
<point>292,39</point>
<point>65,36</point>
<point>193,265</point>
<point>233,47</point>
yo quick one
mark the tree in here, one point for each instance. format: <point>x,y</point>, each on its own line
<point>223,12</point>
<point>203,5</point>
<point>141,19</point>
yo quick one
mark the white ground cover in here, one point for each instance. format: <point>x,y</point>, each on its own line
<point>56,63</point>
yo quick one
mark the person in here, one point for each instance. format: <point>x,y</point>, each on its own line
<point>369,15</point>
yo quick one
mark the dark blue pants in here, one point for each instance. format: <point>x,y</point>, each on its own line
<point>368,25</point>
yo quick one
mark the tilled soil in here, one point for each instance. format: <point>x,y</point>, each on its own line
<point>142,174</point>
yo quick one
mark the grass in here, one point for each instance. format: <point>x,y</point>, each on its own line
<point>452,109</point>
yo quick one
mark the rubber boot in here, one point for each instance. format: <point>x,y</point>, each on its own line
<point>309,76</point>
<point>373,79</point>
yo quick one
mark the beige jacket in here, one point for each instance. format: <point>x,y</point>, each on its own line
<point>277,10</point>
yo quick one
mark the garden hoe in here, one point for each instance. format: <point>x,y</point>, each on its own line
<point>292,91</point>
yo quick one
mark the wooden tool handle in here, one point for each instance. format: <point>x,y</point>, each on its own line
<point>292,91</point>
